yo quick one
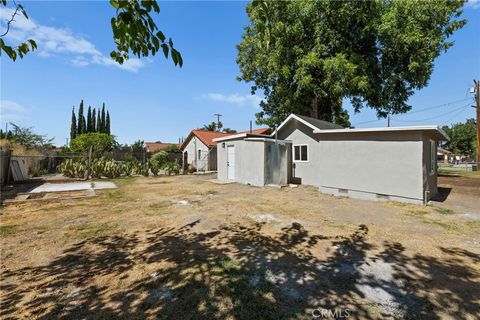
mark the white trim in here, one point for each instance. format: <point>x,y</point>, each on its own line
<point>308,152</point>
<point>268,140</point>
<point>388,129</point>
<point>293,116</point>
<point>240,135</point>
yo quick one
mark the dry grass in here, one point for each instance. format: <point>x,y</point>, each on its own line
<point>181,247</point>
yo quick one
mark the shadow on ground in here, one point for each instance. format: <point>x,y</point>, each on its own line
<point>240,272</point>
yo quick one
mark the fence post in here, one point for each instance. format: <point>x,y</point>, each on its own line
<point>89,162</point>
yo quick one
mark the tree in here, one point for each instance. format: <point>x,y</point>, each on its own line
<point>137,146</point>
<point>81,127</point>
<point>210,127</point>
<point>306,57</point>
<point>101,143</point>
<point>103,121</point>
<point>89,119</point>
<point>99,121</point>
<point>228,130</point>
<point>23,48</point>
<point>463,138</point>
<point>133,27</point>
<point>107,123</point>
<point>73,125</point>
<point>27,138</point>
<point>94,126</point>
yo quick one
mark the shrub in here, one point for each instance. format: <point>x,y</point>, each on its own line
<point>101,142</point>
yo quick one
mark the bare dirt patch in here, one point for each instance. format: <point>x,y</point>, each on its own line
<point>234,252</point>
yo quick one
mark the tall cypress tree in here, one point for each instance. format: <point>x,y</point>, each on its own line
<point>107,123</point>
<point>81,120</point>
<point>89,119</point>
<point>94,127</point>
<point>99,122</point>
<point>103,118</point>
<point>73,125</point>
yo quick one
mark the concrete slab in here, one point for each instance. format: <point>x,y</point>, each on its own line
<point>220,182</point>
<point>73,186</point>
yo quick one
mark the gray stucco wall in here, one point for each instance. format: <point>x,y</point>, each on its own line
<point>249,162</point>
<point>298,133</point>
<point>192,154</point>
<point>379,163</point>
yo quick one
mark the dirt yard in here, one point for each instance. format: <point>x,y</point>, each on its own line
<point>185,248</point>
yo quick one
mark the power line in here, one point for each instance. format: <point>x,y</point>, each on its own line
<point>435,117</point>
<point>418,110</point>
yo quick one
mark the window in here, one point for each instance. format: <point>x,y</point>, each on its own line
<point>433,156</point>
<point>199,154</point>
<point>300,153</point>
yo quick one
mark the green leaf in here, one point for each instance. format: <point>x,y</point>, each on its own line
<point>165,50</point>
<point>115,4</point>
<point>161,36</point>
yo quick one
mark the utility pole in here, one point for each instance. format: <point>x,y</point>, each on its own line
<point>477,103</point>
<point>218,115</point>
<point>388,121</point>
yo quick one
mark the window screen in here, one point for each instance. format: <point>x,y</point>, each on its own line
<point>296,152</point>
<point>304,153</point>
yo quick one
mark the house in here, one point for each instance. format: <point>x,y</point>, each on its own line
<point>394,163</point>
<point>443,155</point>
<point>152,147</point>
<point>200,150</point>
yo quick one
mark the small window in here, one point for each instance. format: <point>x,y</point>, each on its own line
<point>300,153</point>
<point>433,156</point>
<point>199,153</point>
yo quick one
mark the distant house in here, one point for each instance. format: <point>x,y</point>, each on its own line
<point>443,155</point>
<point>394,163</point>
<point>200,151</point>
<point>152,147</point>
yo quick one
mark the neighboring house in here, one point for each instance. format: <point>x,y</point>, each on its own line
<point>394,163</point>
<point>200,151</point>
<point>152,147</point>
<point>443,155</point>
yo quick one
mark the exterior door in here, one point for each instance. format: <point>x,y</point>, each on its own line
<point>231,162</point>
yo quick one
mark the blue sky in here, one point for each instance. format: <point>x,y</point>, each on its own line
<point>152,100</point>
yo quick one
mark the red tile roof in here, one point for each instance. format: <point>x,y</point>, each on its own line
<point>207,136</point>
<point>155,146</point>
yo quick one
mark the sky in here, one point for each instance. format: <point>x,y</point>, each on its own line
<point>152,100</point>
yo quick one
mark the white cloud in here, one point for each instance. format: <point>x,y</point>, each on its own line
<point>474,4</point>
<point>236,99</point>
<point>52,41</point>
<point>11,111</point>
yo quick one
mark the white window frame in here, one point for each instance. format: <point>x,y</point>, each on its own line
<point>300,147</point>
<point>433,156</point>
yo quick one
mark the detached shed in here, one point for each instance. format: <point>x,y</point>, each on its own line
<point>252,159</point>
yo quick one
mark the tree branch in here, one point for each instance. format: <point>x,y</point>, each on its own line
<point>12,19</point>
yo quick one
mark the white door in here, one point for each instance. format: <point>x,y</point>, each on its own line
<point>231,162</point>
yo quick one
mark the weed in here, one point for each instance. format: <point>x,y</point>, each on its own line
<point>474,224</point>
<point>7,229</point>
<point>444,211</point>
<point>418,213</point>
<point>114,194</point>
<point>93,230</point>
<point>443,225</point>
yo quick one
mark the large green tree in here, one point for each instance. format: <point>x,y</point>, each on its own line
<point>107,123</point>
<point>463,137</point>
<point>306,57</point>
<point>134,32</point>
<point>89,119</point>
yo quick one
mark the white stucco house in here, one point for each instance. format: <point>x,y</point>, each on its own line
<point>393,163</point>
<point>200,150</point>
